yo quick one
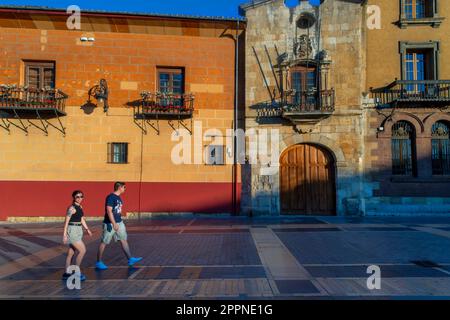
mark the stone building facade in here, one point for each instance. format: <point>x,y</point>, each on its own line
<point>407,156</point>
<point>305,74</point>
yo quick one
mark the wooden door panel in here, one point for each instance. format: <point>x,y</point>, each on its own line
<point>307,181</point>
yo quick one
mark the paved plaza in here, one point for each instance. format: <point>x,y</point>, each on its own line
<point>238,258</point>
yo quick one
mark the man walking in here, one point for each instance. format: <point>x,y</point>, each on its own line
<point>113,227</point>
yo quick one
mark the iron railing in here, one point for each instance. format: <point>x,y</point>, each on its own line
<point>167,103</point>
<point>413,91</point>
<point>19,97</point>
<point>309,101</point>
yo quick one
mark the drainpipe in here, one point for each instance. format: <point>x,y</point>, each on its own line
<point>235,126</point>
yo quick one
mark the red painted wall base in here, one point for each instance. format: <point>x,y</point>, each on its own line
<point>49,199</point>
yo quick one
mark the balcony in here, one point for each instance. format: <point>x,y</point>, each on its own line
<point>165,105</point>
<point>27,102</point>
<point>305,107</point>
<point>413,94</point>
<point>308,106</point>
<point>19,106</point>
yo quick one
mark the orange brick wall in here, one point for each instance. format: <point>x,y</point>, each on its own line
<point>122,57</point>
<point>128,61</point>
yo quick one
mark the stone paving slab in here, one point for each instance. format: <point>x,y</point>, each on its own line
<point>178,249</point>
<point>283,258</point>
<point>366,247</point>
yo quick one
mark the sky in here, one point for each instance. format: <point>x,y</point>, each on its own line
<point>225,8</point>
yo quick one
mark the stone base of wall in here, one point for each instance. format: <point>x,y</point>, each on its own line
<point>407,206</point>
<point>129,216</point>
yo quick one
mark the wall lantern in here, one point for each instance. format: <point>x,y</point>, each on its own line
<point>100,92</point>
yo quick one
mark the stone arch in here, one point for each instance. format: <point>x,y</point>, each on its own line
<point>323,141</point>
<point>307,194</point>
<point>404,116</point>
<point>430,120</point>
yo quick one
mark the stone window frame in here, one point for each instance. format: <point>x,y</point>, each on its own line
<point>434,21</point>
<point>430,45</point>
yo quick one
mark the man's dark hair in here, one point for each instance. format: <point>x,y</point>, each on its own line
<point>76,192</point>
<point>117,185</point>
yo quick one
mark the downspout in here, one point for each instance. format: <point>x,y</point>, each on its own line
<point>235,126</point>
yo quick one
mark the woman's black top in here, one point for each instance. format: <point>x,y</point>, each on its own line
<point>76,217</point>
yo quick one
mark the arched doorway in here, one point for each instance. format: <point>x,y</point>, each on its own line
<point>307,181</point>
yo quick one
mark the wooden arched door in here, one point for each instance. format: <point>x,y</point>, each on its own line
<point>307,181</point>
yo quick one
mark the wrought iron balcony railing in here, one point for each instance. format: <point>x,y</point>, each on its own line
<point>298,107</point>
<point>309,101</point>
<point>166,104</point>
<point>23,98</point>
<point>413,93</point>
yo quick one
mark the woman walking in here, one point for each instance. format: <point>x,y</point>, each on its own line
<point>73,233</point>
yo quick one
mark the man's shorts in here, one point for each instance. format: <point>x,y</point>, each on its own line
<point>109,233</point>
<point>74,234</point>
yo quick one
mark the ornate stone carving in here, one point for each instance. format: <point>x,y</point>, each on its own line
<point>303,47</point>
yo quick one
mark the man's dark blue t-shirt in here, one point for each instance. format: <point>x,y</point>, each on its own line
<point>115,202</point>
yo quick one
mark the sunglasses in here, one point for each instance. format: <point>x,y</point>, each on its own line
<point>79,197</point>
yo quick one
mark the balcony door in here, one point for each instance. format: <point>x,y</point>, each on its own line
<point>304,84</point>
<point>419,66</point>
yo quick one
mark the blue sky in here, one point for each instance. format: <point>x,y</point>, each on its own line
<point>227,8</point>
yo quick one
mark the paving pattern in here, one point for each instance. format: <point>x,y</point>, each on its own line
<point>238,258</point>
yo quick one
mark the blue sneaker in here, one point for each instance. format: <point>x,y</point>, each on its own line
<point>133,261</point>
<point>100,266</point>
<point>82,277</point>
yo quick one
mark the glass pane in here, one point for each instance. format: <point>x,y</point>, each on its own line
<point>49,78</point>
<point>297,86</point>
<point>311,81</point>
<point>164,82</point>
<point>34,77</point>
<point>420,9</point>
<point>408,9</point>
<point>116,153</point>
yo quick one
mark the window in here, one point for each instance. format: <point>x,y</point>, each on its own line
<point>215,155</point>
<point>40,74</point>
<point>403,149</point>
<point>171,85</point>
<point>118,152</point>
<point>419,12</point>
<point>419,63</point>
<point>303,81</point>
<point>419,66</point>
<point>418,9</point>
<point>440,144</point>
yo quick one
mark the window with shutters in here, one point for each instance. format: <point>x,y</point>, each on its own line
<point>40,74</point>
